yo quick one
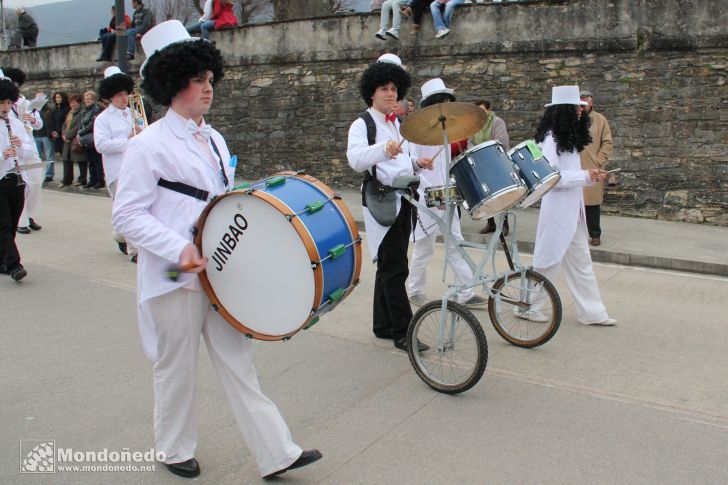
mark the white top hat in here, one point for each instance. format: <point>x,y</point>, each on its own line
<point>161,36</point>
<point>391,58</point>
<point>565,95</point>
<point>110,71</point>
<point>434,86</point>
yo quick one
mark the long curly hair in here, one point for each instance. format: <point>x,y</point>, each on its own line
<point>110,86</point>
<point>380,74</point>
<point>16,75</point>
<point>8,90</point>
<point>170,70</point>
<point>570,132</point>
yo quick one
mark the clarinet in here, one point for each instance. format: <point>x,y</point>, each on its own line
<point>15,158</point>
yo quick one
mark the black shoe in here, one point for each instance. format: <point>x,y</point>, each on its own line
<point>4,269</point>
<point>23,230</point>
<point>103,59</point>
<point>401,344</point>
<point>18,273</point>
<point>88,185</point>
<point>48,179</point>
<point>122,247</point>
<point>34,225</point>
<point>489,227</point>
<point>385,334</point>
<point>187,469</point>
<point>134,258</point>
<point>306,458</point>
<point>99,185</point>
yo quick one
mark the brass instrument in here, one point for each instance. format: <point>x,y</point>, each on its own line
<point>138,115</point>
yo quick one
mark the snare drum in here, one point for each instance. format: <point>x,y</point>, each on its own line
<point>281,253</point>
<point>435,196</point>
<point>487,180</point>
<point>537,172</point>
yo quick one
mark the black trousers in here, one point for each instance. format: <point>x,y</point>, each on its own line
<point>95,166</point>
<point>418,9</point>
<point>68,172</point>
<point>12,199</point>
<point>108,41</point>
<point>392,311</point>
<point>592,220</point>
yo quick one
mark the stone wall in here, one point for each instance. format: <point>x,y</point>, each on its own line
<point>657,69</point>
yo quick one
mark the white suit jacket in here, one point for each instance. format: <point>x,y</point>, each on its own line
<point>27,152</point>
<point>111,135</point>
<point>561,208</point>
<point>159,221</point>
<point>363,157</point>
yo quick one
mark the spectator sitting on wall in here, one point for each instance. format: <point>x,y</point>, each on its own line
<point>442,11</point>
<point>395,7</point>
<point>216,15</point>
<point>142,21</point>
<point>27,31</point>
<point>418,8</point>
<point>107,36</point>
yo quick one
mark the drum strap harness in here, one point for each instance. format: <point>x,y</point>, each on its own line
<point>382,198</point>
<point>191,191</point>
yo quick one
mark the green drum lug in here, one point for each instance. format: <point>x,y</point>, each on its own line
<point>275,181</point>
<point>337,251</point>
<point>242,186</point>
<point>337,294</point>
<point>311,323</point>
<point>315,206</point>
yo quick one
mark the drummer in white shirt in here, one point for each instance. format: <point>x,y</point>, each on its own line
<point>383,84</point>
<point>434,91</point>
<point>15,143</point>
<point>169,173</point>
<point>112,131</point>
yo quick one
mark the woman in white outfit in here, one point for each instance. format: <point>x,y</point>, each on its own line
<point>561,235</point>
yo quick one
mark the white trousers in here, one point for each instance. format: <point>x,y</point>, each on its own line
<point>580,278</point>
<point>32,203</point>
<point>131,250</point>
<point>180,318</point>
<point>424,248</point>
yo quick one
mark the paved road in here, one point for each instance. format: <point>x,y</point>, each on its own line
<point>644,402</point>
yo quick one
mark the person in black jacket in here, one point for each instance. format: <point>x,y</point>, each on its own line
<point>141,22</point>
<point>85,136</point>
<point>27,31</point>
<point>60,109</point>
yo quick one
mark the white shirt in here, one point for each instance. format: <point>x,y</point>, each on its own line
<point>561,207</point>
<point>159,221</point>
<point>111,136</point>
<point>429,178</point>
<point>21,106</point>
<point>363,157</point>
<point>25,151</point>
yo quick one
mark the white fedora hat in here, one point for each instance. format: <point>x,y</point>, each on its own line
<point>110,71</point>
<point>161,36</point>
<point>565,95</point>
<point>434,86</point>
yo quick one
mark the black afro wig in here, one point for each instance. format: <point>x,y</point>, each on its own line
<point>170,70</point>
<point>112,85</point>
<point>8,90</point>
<point>380,74</point>
<point>16,75</point>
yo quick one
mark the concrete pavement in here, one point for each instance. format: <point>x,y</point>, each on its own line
<point>643,402</point>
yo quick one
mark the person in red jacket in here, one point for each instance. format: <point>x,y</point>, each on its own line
<point>216,15</point>
<point>107,36</point>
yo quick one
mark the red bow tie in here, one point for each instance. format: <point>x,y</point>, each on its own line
<point>390,117</point>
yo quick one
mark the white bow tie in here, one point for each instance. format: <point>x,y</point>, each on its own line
<point>205,131</point>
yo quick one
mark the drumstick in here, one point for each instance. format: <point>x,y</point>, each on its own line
<point>400,143</point>
<point>438,152</point>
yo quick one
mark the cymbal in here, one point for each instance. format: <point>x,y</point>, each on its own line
<point>424,127</point>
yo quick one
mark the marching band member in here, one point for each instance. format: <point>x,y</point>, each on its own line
<point>32,120</point>
<point>561,233</point>
<point>169,172</point>
<point>15,143</point>
<point>112,131</point>
<point>434,91</point>
<point>385,157</point>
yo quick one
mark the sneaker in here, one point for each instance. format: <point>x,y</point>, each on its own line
<point>442,33</point>
<point>23,230</point>
<point>606,323</point>
<point>394,33</point>
<point>381,34</point>
<point>418,299</point>
<point>62,185</point>
<point>531,315</point>
<point>475,301</point>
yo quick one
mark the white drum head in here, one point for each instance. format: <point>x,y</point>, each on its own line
<point>266,283</point>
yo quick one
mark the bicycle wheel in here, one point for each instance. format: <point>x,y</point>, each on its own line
<point>456,362</point>
<point>516,318</point>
